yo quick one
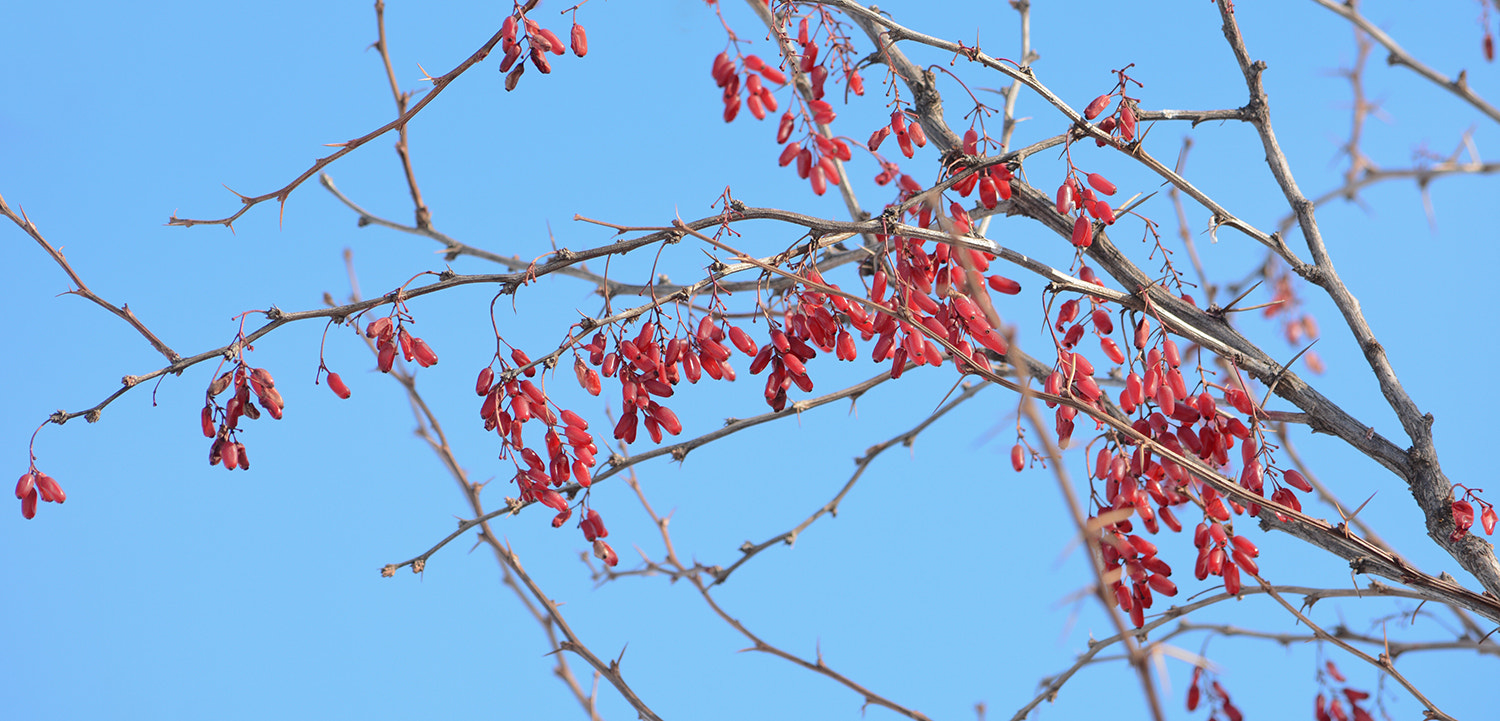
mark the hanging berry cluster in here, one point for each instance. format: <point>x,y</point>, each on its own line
<point>817,152</point>
<point>1121,122</point>
<point>32,486</point>
<point>513,399</point>
<point>1185,421</point>
<point>536,41</point>
<point>1204,684</point>
<point>1334,693</point>
<point>1223,555</point>
<point>909,135</point>
<point>758,97</point>
<point>1134,558</point>
<point>992,181</point>
<point>1463,513</point>
<point>391,336</point>
<point>221,423</point>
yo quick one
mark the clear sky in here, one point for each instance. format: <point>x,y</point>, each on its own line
<point>166,588</point>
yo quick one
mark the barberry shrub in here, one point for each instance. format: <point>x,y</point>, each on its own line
<point>868,233</point>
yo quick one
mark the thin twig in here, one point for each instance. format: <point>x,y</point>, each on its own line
<point>81,289</point>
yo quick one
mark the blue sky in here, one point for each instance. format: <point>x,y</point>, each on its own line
<point>165,588</point>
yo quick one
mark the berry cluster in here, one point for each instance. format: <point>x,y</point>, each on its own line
<point>391,335</point>
<point>221,423</point>
<point>1463,513</point>
<point>35,485</point>
<point>1133,557</point>
<point>513,399</point>
<point>1204,684</point>
<point>1183,420</point>
<point>758,97</point>
<point>1122,121</point>
<point>993,181</point>
<point>1329,705</point>
<point>536,41</point>
<point>816,153</point>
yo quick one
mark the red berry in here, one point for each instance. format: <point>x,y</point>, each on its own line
<point>1064,198</point>
<point>1161,584</point>
<point>378,327</point>
<point>1102,321</point>
<point>723,68</point>
<point>605,553</point>
<point>423,354</point>
<point>971,142</point>
<point>598,524</point>
<point>822,111</point>
<point>554,43</point>
<point>539,59</point>
<point>918,135</point>
<point>336,384</point>
<point>1083,232</point>
<point>1127,122</point>
<point>989,192</point>
<point>742,341</point>
<point>1112,350</point>
<point>757,109</point>
<point>387,357</point>
<point>1094,108</point>
<point>898,121</point>
<point>1001,284</point>
<point>1232,579</point>
<point>667,419</point>
<point>1100,184</point>
<point>48,489</point>
<point>484,381</point>
<point>1463,514</point>
<point>28,505</point>
<point>773,74</point>
<point>403,339</point>
<point>25,484</point>
<point>580,41</point>
<point>903,140</point>
<point>784,130</point>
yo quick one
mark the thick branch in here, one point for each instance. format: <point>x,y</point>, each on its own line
<point>1424,476</point>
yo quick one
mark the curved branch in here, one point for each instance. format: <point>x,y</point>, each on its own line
<point>82,289</point>
<point>749,550</point>
<point>439,84</point>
